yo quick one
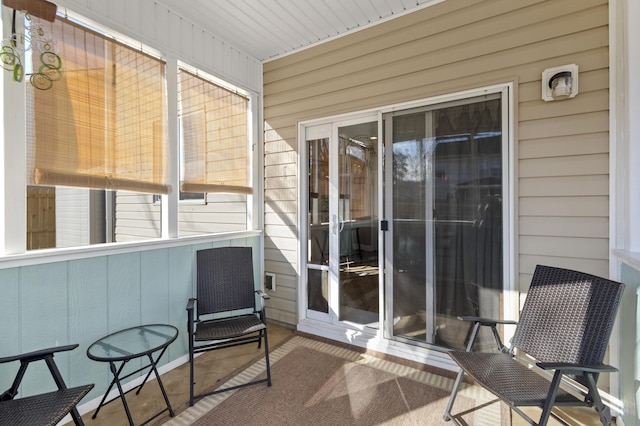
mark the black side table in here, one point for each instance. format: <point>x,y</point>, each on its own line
<point>131,343</point>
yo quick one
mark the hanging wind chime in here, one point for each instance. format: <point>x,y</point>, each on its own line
<point>46,66</point>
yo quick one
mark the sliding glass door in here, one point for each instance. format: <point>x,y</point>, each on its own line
<point>444,181</point>
<point>438,172</point>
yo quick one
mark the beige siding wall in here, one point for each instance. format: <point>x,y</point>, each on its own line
<point>138,217</point>
<point>561,149</point>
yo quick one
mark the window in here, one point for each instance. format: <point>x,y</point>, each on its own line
<point>103,124</point>
<point>95,131</point>
<point>214,137</point>
<point>97,145</point>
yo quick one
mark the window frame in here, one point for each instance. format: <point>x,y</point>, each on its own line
<point>13,224</point>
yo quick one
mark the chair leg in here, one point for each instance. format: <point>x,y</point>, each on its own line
<point>454,391</point>
<point>10,393</point>
<point>77,419</point>
<point>266,357</point>
<point>57,377</point>
<point>551,397</point>
<point>603,410</point>
<point>190,371</point>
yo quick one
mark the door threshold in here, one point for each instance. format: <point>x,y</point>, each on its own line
<point>372,339</point>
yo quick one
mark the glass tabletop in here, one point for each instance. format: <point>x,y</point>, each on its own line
<point>132,342</point>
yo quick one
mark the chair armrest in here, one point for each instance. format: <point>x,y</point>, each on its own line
<point>25,359</point>
<point>191,304</point>
<point>487,321</point>
<point>262,294</point>
<point>568,368</point>
<point>39,354</point>
<point>262,312</point>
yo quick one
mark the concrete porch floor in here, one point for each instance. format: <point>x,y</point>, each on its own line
<point>211,367</point>
<point>217,365</point>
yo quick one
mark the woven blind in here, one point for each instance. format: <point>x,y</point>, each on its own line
<point>214,137</point>
<point>102,125</point>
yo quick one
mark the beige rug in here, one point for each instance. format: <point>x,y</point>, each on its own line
<point>317,383</point>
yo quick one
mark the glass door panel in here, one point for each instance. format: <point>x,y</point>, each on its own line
<point>342,279</point>
<point>318,226</point>
<point>410,152</point>
<point>446,207</point>
<point>358,223</point>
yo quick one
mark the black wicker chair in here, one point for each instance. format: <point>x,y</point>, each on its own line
<point>42,409</point>
<point>565,325</point>
<point>225,312</point>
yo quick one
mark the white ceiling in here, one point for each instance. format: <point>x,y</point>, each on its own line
<point>268,29</point>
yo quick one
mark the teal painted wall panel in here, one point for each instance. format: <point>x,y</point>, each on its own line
<point>88,310</point>
<point>80,301</point>
<point>154,286</point>
<point>123,296</point>
<point>44,304</point>
<point>10,312</point>
<point>44,318</point>
<point>181,284</point>
<point>124,299</point>
<point>10,343</point>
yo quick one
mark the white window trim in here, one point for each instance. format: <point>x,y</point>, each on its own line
<point>624,150</point>
<point>624,62</point>
<point>13,153</point>
<point>13,186</point>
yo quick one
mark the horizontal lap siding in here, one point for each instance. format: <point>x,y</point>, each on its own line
<point>561,147</point>
<point>280,220</point>
<point>138,218</point>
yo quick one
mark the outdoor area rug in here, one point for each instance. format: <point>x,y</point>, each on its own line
<point>318,383</point>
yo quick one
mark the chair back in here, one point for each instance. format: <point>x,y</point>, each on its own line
<point>225,280</point>
<point>567,316</point>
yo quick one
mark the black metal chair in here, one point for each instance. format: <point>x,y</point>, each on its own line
<point>42,409</point>
<point>565,325</point>
<point>225,312</point>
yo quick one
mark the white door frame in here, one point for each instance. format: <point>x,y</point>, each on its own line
<point>342,332</point>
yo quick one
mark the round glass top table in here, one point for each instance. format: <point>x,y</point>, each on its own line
<point>149,341</point>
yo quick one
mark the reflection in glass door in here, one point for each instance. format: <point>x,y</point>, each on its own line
<point>445,187</point>
<point>318,228</point>
<point>358,223</point>
<point>343,277</point>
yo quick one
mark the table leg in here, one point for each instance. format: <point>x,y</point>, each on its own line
<point>116,375</point>
<point>164,393</point>
<point>110,349</point>
<point>152,362</point>
<point>116,378</point>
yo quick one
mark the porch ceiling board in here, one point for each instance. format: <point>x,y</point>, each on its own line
<point>271,29</point>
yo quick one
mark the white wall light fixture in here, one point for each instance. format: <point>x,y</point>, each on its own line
<point>560,82</point>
